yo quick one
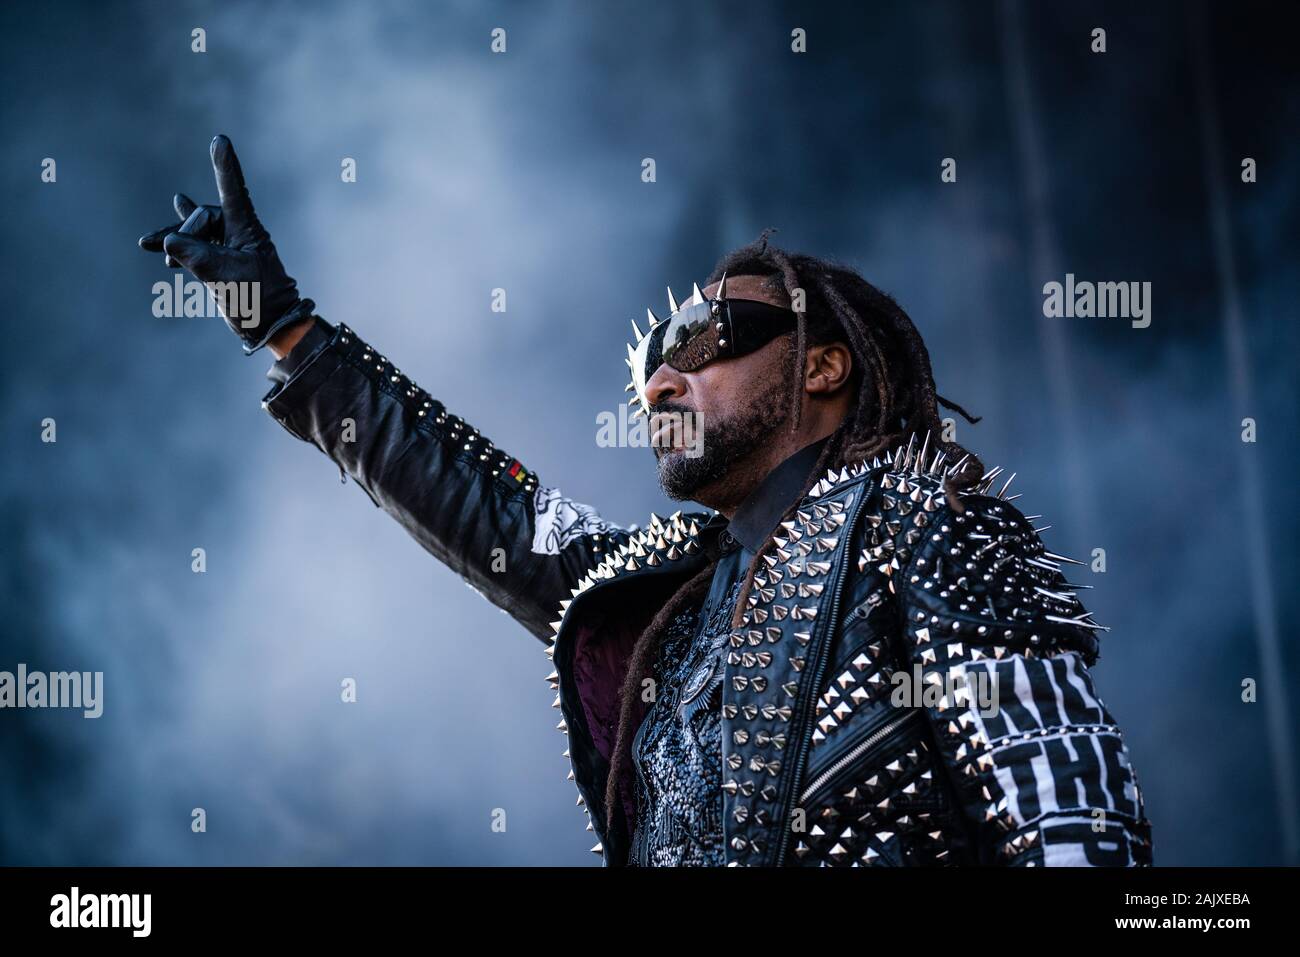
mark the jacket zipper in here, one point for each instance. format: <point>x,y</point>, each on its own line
<point>856,752</point>
<point>859,612</point>
<point>863,611</point>
<point>824,661</point>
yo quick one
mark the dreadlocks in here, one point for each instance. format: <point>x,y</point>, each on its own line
<point>895,397</point>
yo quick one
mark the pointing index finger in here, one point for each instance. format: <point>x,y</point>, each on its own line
<point>235,203</point>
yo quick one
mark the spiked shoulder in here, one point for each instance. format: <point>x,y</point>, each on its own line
<point>662,540</point>
<point>977,573</point>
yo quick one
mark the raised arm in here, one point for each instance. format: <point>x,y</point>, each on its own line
<point>471,505</point>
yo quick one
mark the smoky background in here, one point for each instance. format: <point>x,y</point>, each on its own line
<point>522,171</point>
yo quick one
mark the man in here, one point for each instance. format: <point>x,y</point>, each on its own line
<point>864,656</point>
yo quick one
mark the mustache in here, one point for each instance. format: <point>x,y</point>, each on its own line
<point>669,408</point>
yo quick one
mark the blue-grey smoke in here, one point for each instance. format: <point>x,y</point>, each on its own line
<point>522,171</point>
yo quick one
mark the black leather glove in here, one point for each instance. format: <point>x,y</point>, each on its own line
<point>227,244</point>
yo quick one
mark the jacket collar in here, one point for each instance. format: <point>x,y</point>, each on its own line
<point>758,515</point>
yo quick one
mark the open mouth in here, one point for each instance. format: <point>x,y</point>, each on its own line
<point>667,434</point>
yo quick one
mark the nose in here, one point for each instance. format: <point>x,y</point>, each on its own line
<point>666,383</point>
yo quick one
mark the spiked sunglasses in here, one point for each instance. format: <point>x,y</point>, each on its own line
<point>701,331</point>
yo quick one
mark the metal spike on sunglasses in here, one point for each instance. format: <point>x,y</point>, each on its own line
<point>672,300</point>
<point>637,331</point>
<point>722,288</point>
<point>652,318</point>
<point>697,297</point>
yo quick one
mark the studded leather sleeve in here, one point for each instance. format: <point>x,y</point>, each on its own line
<point>471,504</point>
<point>1002,645</point>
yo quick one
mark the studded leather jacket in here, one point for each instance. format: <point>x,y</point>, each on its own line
<point>910,685</point>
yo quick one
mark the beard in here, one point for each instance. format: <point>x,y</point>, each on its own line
<point>724,443</point>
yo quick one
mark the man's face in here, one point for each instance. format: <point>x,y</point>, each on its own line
<point>731,407</point>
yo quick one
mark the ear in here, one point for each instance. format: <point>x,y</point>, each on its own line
<point>827,369</point>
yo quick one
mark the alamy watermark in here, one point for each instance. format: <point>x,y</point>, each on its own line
<point>662,430</point>
<point>1103,300</point>
<point>127,911</point>
<point>190,299</point>
<point>54,689</point>
<point>915,690</point>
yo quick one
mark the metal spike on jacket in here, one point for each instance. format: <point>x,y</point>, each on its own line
<point>910,685</point>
